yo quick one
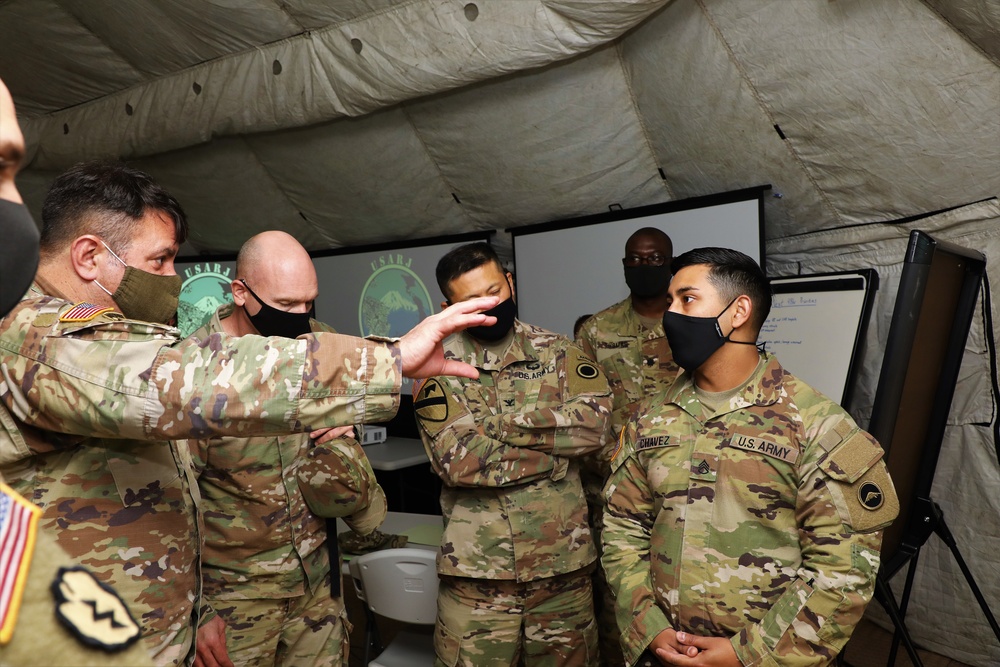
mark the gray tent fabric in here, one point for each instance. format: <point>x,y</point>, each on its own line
<point>967,480</point>
<point>370,121</point>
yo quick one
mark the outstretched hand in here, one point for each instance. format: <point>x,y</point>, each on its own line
<point>421,350</point>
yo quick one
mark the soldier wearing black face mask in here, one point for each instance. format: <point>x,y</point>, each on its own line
<point>628,342</point>
<point>275,496</point>
<point>516,579</point>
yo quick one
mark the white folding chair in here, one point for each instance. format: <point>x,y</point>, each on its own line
<point>400,584</point>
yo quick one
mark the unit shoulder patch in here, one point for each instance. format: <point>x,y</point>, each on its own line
<point>92,611</point>
<point>582,374</point>
<point>435,406</point>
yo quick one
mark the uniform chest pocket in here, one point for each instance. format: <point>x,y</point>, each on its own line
<point>141,470</point>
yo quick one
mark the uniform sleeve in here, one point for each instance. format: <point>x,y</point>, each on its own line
<point>337,480</point>
<point>846,498</point>
<point>125,379</point>
<point>461,454</point>
<point>629,515</point>
<point>576,423</point>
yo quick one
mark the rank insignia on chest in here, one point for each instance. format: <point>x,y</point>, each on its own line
<point>92,611</point>
<point>83,312</point>
<point>18,524</point>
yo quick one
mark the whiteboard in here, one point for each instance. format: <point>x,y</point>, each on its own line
<point>570,268</point>
<point>816,326</point>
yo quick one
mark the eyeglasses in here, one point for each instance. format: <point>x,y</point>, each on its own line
<point>652,260</point>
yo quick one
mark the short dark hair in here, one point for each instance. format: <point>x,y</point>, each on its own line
<point>106,198</point>
<point>733,274</point>
<point>459,261</point>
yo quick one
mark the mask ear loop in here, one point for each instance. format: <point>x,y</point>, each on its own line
<point>727,338</point>
<point>116,257</point>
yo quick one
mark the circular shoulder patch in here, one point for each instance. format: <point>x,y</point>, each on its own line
<point>431,403</point>
<point>871,496</point>
<point>92,611</point>
<point>587,370</point>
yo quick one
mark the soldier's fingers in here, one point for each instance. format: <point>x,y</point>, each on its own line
<point>459,369</point>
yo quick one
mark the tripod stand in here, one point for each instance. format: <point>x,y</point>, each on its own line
<point>927,519</point>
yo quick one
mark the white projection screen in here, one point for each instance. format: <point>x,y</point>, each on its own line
<point>569,268</point>
<point>379,290</point>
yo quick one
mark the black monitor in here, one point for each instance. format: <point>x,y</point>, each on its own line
<point>935,304</point>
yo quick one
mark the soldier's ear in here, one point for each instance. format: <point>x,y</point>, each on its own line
<point>239,291</point>
<point>83,253</point>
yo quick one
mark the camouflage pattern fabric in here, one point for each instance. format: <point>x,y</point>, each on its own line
<point>512,500</point>
<point>544,623</point>
<point>513,506</point>
<point>760,522</point>
<point>638,363</point>
<point>310,629</point>
<point>82,400</point>
<point>261,538</point>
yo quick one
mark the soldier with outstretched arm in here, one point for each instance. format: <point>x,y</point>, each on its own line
<point>95,385</point>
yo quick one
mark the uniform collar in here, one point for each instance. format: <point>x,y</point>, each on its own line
<point>519,350</point>
<point>765,387</point>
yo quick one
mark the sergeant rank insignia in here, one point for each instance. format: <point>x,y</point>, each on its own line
<point>93,611</point>
<point>18,524</point>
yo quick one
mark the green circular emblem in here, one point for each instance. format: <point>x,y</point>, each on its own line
<point>205,288</point>
<point>393,300</point>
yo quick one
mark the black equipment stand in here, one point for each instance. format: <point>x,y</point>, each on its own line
<point>927,519</point>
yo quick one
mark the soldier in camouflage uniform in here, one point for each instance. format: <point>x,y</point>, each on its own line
<point>38,623</point>
<point>627,340</point>
<point>265,566</point>
<point>90,392</point>
<point>745,509</point>
<point>517,553</point>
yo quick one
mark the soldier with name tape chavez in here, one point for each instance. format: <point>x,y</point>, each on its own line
<point>266,568</point>
<point>95,380</point>
<point>517,551</point>
<point>744,509</point>
<point>628,342</point>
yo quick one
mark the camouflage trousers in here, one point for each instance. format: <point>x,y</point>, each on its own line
<point>310,630</point>
<point>494,623</point>
<point>604,601</point>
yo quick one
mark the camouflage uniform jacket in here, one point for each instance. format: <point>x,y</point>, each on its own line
<point>761,522</point>
<point>120,504</point>
<point>637,361</point>
<point>261,539</point>
<point>513,505</point>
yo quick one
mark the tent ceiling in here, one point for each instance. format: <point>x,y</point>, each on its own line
<point>365,121</point>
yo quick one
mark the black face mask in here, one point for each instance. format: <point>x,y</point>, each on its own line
<point>18,253</point>
<point>270,321</point>
<point>504,312</point>
<point>646,281</point>
<point>694,339</point>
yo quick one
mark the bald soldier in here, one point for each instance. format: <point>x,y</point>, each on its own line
<point>96,381</point>
<point>628,342</point>
<point>266,569</point>
<point>37,600</point>
<point>745,509</point>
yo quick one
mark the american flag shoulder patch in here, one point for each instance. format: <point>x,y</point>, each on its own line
<point>83,312</point>
<point>18,525</point>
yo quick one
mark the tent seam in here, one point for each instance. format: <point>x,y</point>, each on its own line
<point>642,121</point>
<point>767,111</point>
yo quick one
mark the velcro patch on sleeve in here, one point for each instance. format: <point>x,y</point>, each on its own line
<point>83,312</point>
<point>92,611</point>
<point>436,406</point>
<point>583,376</point>
<point>872,500</point>
<point>18,526</point>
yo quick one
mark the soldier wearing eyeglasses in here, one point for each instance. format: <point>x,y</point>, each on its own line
<point>628,342</point>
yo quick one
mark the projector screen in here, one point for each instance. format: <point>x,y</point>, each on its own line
<point>372,291</point>
<point>569,268</point>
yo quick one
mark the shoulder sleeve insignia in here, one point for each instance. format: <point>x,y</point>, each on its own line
<point>582,374</point>
<point>18,524</point>
<point>93,611</point>
<point>83,312</point>
<point>436,406</point>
